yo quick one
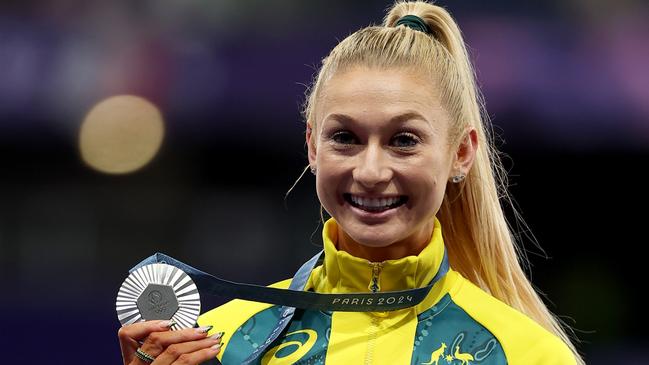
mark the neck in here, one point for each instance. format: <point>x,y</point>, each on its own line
<point>408,247</point>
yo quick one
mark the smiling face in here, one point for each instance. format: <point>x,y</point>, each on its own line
<point>383,158</point>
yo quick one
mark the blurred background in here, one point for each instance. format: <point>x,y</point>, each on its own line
<point>204,100</point>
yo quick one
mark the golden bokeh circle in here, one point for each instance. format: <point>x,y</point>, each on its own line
<point>121,134</point>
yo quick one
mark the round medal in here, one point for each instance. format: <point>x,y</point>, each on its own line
<point>158,291</point>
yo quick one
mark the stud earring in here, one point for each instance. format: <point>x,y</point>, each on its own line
<point>457,178</point>
<point>313,170</point>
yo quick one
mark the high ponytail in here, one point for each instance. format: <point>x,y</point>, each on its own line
<point>478,238</point>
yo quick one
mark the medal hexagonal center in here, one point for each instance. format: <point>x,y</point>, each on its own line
<point>157,302</point>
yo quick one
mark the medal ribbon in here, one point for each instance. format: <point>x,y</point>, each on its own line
<point>295,296</point>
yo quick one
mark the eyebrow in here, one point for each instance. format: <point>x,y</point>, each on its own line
<point>401,118</point>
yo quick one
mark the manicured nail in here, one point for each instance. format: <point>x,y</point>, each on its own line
<point>168,323</point>
<point>217,336</point>
<point>204,329</point>
<point>216,347</point>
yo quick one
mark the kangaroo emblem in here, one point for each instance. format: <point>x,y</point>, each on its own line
<point>434,357</point>
<point>465,358</point>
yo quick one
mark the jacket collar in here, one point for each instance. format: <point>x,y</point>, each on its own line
<point>343,273</point>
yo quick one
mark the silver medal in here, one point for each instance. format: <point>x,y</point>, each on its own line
<point>158,291</point>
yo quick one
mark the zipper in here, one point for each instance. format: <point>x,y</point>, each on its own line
<point>374,281</point>
<point>372,331</point>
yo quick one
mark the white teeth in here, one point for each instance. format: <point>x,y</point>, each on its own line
<point>374,202</point>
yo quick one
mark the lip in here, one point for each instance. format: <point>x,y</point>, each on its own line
<point>375,216</point>
<point>387,196</point>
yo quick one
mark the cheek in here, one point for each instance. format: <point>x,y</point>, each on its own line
<point>435,189</point>
<point>440,182</point>
<point>432,200</point>
<point>328,180</point>
<point>429,187</point>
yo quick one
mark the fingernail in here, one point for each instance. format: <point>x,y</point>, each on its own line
<point>216,347</point>
<point>168,324</point>
<point>217,336</point>
<point>204,329</point>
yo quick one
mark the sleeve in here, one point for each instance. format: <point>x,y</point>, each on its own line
<point>550,351</point>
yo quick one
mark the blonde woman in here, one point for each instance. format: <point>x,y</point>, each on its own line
<point>407,171</point>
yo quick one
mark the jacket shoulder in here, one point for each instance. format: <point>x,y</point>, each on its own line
<point>523,340</point>
<point>230,316</point>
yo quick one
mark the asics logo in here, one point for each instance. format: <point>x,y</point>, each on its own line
<point>282,354</point>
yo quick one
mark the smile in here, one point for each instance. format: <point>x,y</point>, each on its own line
<point>378,204</point>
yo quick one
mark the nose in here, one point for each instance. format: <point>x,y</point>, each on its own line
<point>372,167</point>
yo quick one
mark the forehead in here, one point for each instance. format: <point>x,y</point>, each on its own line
<point>378,94</point>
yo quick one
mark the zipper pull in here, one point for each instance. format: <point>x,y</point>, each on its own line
<point>374,282</point>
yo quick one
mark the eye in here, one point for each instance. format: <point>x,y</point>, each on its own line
<point>405,140</point>
<point>344,137</point>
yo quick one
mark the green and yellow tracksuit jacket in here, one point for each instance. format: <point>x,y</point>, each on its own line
<point>457,323</point>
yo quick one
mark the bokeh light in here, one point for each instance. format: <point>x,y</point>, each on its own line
<point>121,134</point>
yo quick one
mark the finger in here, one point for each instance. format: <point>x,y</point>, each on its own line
<point>140,330</point>
<point>130,335</point>
<point>175,351</point>
<point>199,356</point>
<point>157,342</point>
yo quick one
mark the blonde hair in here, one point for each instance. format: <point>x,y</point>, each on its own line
<point>478,238</point>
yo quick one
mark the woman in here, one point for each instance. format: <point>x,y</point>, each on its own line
<point>406,170</point>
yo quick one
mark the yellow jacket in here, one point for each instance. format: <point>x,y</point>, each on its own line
<point>457,323</point>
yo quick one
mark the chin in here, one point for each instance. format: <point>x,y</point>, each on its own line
<point>372,240</point>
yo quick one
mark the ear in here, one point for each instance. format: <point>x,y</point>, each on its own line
<point>310,145</point>
<point>465,153</point>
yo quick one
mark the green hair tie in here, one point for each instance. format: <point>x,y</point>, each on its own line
<point>414,22</point>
